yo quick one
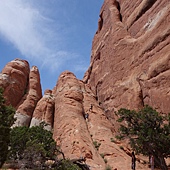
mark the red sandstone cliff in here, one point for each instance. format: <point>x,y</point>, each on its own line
<point>130,55</point>
<point>91,138</point>
<point>130,67</point>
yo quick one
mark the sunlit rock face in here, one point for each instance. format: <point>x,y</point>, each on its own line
<point>130,61</point>
<point>26,108</point>
<point>14,79</point>
<point>77,136</point>
<point>70,127</point>
<point>44,111</point>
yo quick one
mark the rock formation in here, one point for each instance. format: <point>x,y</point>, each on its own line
<point>130,67</point>
<point>25,110</point>
<point>44,111</point>
<point>130,55</point>
<point>14,79</point>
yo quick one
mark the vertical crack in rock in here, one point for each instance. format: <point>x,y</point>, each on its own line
<point>119,9</point>
<point>147,5</point>
<point>100,22</point>
<point>115,10</point>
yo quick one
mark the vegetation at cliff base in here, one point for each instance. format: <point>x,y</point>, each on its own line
<point>31,147</point>
<point>67,165</point>
<point>34,148</point>
<point>148,132</point>
<point>6,121</point>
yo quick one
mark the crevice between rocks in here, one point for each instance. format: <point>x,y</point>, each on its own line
<point>157,40</point>
<point>119,9</point>
<point>141,10</point>
<point>148,4</point>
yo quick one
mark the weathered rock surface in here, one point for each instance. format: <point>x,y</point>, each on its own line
<point>26,108</point>
<point>14,79</point>
<point>70,128</point>
<point>44,111</point>
<point>79,137</point>
<point>130,55</point>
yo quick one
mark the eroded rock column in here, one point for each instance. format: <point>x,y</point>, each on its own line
<point>44,111</point>
<point>70,128</point>
<point>34,94</point>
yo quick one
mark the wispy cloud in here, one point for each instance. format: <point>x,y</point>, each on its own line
<point>23,24</point>
<point>20,25</point>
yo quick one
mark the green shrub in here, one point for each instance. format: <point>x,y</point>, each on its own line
<point>108,167</point>
<point>112,140</point>
<point>6,121</point>
<point>96,145</point>
<point>105,160</point>
<point>31,145</point>
<point>121,147</point>
<point>67,165</point>
<point>147,131</point>
<point>102,155</point>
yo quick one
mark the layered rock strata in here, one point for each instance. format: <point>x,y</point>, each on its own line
<point>130,55</point>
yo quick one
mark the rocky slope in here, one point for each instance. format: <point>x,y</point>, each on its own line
<point>129,68</point>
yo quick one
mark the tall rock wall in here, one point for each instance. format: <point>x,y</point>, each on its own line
<point>130,62</point>
<point>26,108</point>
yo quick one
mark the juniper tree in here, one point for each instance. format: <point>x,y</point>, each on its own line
<point>148,132</point>
<point>31,145</point>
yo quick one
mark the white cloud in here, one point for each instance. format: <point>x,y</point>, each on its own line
<point>20,25</point>
<point>29,31</point>
<point>61,58</point>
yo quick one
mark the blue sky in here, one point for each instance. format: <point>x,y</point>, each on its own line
<point>54,35</point>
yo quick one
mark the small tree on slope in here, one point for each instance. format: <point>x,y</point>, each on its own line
<point>148,132</point>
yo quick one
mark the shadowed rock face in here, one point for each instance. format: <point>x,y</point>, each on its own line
<point>130,67</point>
